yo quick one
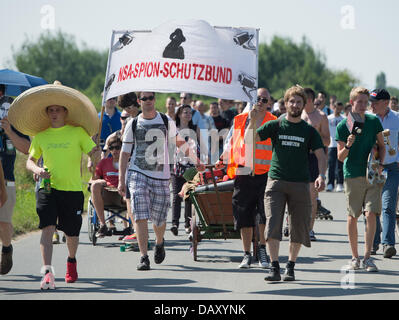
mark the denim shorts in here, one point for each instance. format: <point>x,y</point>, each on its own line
<point>150,198</point>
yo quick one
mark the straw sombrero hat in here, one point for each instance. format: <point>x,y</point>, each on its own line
<point>28,111</point>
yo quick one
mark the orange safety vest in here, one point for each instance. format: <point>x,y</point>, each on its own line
<point>263,151</point>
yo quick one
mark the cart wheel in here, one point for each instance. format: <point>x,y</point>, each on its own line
<point>92,224</point>
<point>194,238</point>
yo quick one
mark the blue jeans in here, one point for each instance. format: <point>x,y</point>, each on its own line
<point>334,163</point>
<point>389,200</point>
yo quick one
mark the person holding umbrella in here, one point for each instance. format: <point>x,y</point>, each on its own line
<point>62,121</point>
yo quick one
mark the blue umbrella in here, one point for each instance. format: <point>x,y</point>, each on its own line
<point>17,82</point>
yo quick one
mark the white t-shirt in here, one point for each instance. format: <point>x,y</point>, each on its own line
<point>332,123</point>
<point>150,155</point>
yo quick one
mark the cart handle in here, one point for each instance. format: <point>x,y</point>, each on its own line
<point>218,198</point>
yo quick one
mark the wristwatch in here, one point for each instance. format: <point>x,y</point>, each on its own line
<point>323,176</point>
<point>346,147</point>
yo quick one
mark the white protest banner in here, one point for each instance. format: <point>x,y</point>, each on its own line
<point>189,56</point>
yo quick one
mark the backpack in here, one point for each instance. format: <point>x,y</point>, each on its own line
<point>134,126</point>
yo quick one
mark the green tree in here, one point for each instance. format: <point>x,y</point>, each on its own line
<point>393,91</point>
<point>381,81</point>
<point>56,56</point>
<point>283,63</point>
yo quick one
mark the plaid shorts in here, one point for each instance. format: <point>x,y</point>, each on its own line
<point>150,198</point>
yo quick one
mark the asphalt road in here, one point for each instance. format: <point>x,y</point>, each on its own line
<point>107,273</point>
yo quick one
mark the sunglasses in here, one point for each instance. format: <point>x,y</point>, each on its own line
<point>147,98</point>
<point>263,100</point>
<point>118,147</point>
<point>124,118</point>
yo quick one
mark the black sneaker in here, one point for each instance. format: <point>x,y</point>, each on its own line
<point>174,230</point>
<point>289,274</point>
<point>102,232</point>
<point>389,251</point>
<point>374,250</point>
<point>274,274</point>
<point>6,261</point>
<point>159,252</point>
<point>144,263</point>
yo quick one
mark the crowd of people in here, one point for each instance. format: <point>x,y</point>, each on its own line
<point>280,154</point>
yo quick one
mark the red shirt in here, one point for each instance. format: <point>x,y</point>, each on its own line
<point>106,170</point>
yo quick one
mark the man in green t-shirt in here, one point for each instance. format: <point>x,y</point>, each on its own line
<point>292,138</point>
<point>360,194</point>
<point>61,147</point>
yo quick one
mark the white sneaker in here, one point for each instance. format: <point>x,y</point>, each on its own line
<point>329,188</point>
<point>48,280</point>
<point>369,265</point>
<point>354,264</point>
<point>246,262</point>
<point>339,188</point>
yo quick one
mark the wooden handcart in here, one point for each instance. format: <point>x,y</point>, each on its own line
<point>213,214</point>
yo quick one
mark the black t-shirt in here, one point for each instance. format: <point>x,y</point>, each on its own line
<point>229,115</point>
<point>8,156</point>
<point>220,123</point>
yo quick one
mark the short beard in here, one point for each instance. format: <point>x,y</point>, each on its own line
<point>295,114</point>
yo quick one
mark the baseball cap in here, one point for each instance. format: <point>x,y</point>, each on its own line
<point>379,94</point>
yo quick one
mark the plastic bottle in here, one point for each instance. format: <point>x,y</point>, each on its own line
<point>47,184</point>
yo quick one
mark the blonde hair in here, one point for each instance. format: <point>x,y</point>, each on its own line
<point>295,91</point>
<point>358,91</point>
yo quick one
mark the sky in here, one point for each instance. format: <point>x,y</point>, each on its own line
<point>358,35</point>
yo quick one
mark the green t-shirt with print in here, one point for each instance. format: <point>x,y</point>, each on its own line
<point>355,164</point>
<point>291,143</point>
<point>62,149</point>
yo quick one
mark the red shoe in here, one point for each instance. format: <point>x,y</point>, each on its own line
<point>71,274</point>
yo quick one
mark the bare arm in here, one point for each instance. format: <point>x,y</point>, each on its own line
<point>322,163</point>
<point>123,161</point>
<point>325,131</point>
<point>20,143</point>
<point>249,131</point>
<point>31,164</point>
<point>341,150</point>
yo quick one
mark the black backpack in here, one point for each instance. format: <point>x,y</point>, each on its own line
<point>134,126</point>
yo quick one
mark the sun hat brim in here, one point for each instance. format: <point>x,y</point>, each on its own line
<point>28,111</point>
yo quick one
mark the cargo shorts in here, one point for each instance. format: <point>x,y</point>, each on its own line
<point>296,196</point>
<point>361,195</point>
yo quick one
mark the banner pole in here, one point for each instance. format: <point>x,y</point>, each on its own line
<point>254,131</point>
<point>108,66</point>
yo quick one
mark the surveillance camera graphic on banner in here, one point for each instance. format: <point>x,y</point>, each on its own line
<point>188,56</point>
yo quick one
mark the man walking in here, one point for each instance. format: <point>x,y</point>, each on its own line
<point>10,141</point>
<point>390,120</point>
<point>318,120</point>
<point>249,189</point>
<point>288,178</point>
<point>333,120</point>
<point>360,194</point>
<point>49,112</point>
<point>147,143</point>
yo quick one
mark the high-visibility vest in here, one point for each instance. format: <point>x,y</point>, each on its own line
<point>263,150</point>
